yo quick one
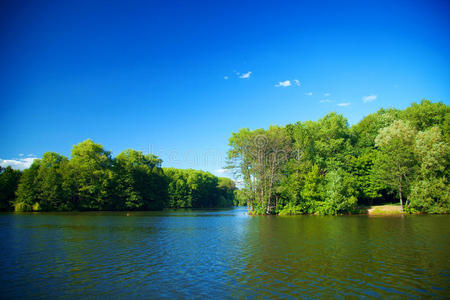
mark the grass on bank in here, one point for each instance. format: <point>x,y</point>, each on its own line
<point>385,209</point>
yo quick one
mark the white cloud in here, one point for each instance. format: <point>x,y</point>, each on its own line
<point>246,75</point>
<point>308,94</point>
<point>326,101</point>
<point>327,95</point>
<point>21,154</point>
<point>21,163</point>
<point>223,171</point>
<point>225,77</point>
<point>344,104</point>
<point>297,82</point>
<point>369,98</point>
<point>285,83</point>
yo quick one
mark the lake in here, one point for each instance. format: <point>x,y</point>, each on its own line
<point>222,254</point>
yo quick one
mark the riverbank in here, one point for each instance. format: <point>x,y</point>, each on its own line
<point>386,209</point>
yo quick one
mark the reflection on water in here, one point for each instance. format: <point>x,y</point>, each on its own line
<point>222,253</point>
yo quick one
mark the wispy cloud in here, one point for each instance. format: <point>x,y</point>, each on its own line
<point>225,77</point>
<point>327,95</point>
<point>326,101</point>
<point>297,82</point>
<point>308,94</point>
<point>245,75</point>
<point>285,83</point>
<point>222,171</point>
<point>369,98</point>
<point>344,104</point>
<point>21,163</point>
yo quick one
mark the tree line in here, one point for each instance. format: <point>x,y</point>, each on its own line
<point>92,180</point>
<point>328,167</point>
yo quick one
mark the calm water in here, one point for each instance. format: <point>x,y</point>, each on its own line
<point>224,254</point>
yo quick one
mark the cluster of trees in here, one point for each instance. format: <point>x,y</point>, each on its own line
<point>93,180</point>
<point>328,167</point>
<point>193,188</point>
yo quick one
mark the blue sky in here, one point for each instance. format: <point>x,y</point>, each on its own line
<point>177,77</point>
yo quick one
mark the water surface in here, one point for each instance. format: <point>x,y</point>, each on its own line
<point>222,254</point>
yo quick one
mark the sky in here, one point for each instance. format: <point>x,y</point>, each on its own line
<point>176,78</point>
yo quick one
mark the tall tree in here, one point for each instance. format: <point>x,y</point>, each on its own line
<point>395,162</point>
<point>260,156</point>
<point>50,182</point>
<point>92,173</point>
<point>430,191</point>
<point>28,189</point>
<point>139,181</point>
<point>9,180</point>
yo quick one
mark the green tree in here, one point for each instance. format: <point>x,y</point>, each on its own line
<point>226,189</point>
<point>28,189</point>
<point>340,194</point>
<point>139,181</point>
<point>50,183</point>
<point>92,174</point>
<point>426,114</point>
<point>9,181</point>
<point>430,191</point>
<point>260,156</point>
<point>395,163</point>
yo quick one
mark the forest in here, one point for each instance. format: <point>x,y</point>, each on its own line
<point>92,180</point>
<point>321,167</point>
<point>327,167</point>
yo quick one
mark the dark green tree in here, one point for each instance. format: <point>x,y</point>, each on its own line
<point>9,181</point>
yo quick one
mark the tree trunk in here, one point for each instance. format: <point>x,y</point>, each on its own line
<point>401,200</point>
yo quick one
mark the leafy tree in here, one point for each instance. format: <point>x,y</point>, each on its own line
<point>139,181</point>
<point>28,188</point>
<point>92,174</point>
<point>197,189</point>
<point>432,152</point>
<point>312,191</point>
<point>426,114</point>
<point>260,156</point>
<point>431,195</point>
<point>9,180</point>
<point>50,183</point>
<point>361,167</point>
<point>226,188</point>
<point>340,194</point>
<point>367,129</point>
<point>395,163</point>
<point>430,192</point>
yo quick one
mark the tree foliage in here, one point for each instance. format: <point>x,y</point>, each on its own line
<point>9,180</point>
<point>93,180</point>
<point>192,188</point>
<point>331,168</point>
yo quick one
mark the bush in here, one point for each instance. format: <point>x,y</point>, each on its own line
<point>429,196</point>
<point>22,207</point>
<point>36,207</point>
<point>290,209</point>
